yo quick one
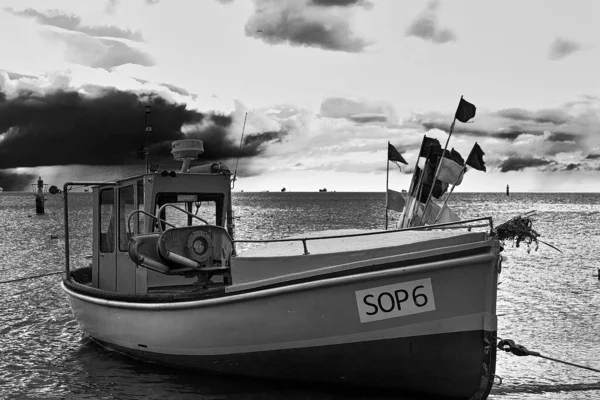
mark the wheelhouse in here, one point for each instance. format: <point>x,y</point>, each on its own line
<point>180,221</point>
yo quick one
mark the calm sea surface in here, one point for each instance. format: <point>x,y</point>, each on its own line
<point>548,301</point>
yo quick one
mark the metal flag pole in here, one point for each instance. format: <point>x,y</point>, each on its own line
<point>437,170</point>
<point>387,178</point>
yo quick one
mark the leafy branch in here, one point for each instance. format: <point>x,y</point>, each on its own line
<point>520,230</point>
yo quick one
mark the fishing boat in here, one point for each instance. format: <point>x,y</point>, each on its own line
<point>410,310</point>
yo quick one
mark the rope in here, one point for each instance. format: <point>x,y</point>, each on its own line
<point>510,346</point>
<point>31,277</point>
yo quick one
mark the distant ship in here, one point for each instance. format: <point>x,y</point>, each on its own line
<point>1,190</point>
<point>507,192</point>
<point>283,189</point>
<point>323,190</point>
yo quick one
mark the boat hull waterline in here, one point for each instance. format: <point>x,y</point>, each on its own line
<point>426,328</point>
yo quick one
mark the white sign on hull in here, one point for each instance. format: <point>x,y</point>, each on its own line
<point>397,300</point>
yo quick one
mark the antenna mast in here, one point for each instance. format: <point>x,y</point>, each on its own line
<point>146,133</point>
<point>238,159</point>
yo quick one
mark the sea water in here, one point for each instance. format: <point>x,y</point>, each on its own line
<point>547,301</point>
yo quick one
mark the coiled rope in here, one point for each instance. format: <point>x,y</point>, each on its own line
<point>510,346</point>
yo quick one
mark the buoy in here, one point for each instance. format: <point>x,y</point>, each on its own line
<point>40,196</point>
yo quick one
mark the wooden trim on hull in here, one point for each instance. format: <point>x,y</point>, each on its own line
<point>457,365</point>
<point>76,291</point>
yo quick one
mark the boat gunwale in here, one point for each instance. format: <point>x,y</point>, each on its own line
<point>75,289</point>
<point>408,259</point>
<point>445,225</point>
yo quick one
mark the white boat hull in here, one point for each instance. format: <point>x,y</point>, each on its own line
<point>361,328</point>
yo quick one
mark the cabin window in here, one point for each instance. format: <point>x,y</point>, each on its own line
<point>139,218</point>
<point>107,221</point>
<point>206,206</point>
<point>126,207</point>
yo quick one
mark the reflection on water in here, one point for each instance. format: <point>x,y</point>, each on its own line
<point>547,301</point>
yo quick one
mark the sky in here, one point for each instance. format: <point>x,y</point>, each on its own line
<point>323,85</point>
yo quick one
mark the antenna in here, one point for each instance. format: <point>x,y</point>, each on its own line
<point>146,133</point>
<point>238,159</point>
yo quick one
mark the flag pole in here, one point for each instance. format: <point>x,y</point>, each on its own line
<point>437,171</point>
<point>450,194</point>
<point>387,178</point>
<point>406,214</point>
<point>420,186</point>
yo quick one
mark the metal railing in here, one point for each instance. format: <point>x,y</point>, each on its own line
<point>129,231</point>
<point>160,210</point>
<point>446,225</point>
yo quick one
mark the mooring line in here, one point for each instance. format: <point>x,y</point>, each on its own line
<point>31,277</point>
<point>510,346</point>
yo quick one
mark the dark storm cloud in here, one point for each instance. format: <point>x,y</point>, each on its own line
<point>592,156</point>
<point>556,117</point>
<point>11,181</point>
<point>426,27</point>
<point>572,167</point>
<point>257,139</point>
<point>277,22</point>
<point>562,47</point>
<point>562,137</point>
<point>63,128</point>
<point>73,23</point>
<point>520,163</point>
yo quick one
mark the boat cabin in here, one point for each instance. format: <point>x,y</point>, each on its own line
<point>131,215</point>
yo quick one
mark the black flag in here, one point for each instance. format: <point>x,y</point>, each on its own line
<point>430,146</point>
<point>465,111</point>
<point>475,158</point>
<point>394,154</point>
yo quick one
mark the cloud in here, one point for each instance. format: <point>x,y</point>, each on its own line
<point>425,26</point>
<point>72,22</point>
<point>562,47</point>
<point>98,52</point>
<point>570,128</point>
<point>357,111</point>
<point>553,116</point>
<point>563,137</point>
<point>12,181</point>
<point>65,127</point>
<point>176,89</point>
<point>520,163</point>
<point>338,3</point>
<point>592,156</point>
<point>257,139</point>
<point>572,167</point>
<point>300,23</point>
